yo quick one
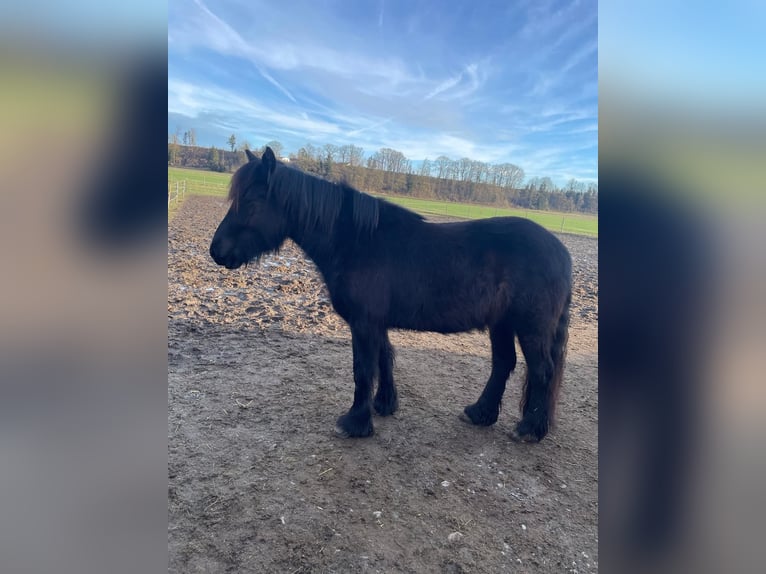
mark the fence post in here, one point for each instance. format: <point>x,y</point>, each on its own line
<point>562,224</point>
<point>171,192</point>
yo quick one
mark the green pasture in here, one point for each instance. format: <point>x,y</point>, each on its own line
<point>199,182</point>
<point>562,222</point>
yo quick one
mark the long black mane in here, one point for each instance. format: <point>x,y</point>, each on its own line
<point>315,203</point>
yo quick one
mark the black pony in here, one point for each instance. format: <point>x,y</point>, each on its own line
<point>387,268</point>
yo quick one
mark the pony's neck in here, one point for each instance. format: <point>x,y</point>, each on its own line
<point>317,242</point>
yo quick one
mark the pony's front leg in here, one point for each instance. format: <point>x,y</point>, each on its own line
<point>357,422</point>
<point>386,400</point>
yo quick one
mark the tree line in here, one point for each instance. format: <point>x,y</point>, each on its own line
<point>390,171</point>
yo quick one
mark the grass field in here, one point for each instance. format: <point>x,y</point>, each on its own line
<point>563,222</point>
<point>212,183</point>
<point>201,182</point>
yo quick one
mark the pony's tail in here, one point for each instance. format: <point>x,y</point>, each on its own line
<point>558,355</point>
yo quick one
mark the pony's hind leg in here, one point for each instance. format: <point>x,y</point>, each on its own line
<point>357,422</point>
<point>545,352</point>
<point>485,411</point>
<point>386,400</point>
<point>538,388</point>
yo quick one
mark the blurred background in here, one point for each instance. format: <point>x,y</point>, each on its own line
<point>83,292</point>
<point>82,308</point>
<point>682,142</point>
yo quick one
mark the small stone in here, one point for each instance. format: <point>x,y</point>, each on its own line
<point>455,537</point>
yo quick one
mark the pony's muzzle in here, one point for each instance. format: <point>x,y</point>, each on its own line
<point>222,253</point>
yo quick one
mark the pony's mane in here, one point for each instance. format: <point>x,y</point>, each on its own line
<point>242,179</point>
<point>312,202</point>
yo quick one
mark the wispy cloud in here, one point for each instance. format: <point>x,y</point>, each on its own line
<point>467,81</point>
<point>192,100</point>
<point>471,81</point>
<point>224,38</point>
<point>374,126</point>
<point>445,85</point>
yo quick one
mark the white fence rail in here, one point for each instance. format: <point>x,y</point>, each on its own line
<point>176,191</point>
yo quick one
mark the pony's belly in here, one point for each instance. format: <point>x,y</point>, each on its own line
<point>457,320</point>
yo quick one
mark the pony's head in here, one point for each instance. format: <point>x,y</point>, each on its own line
<point>253,225</point>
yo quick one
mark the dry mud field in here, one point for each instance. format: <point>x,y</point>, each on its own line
<point>259,368</point>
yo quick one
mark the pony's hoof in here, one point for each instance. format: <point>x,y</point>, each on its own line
<point>475,415</point>
<point>525,432</point>
<point>385,407</point>
<point>354,426</point>
<point>464,417</point>
<point>516,437</point>
<point>339,431</point>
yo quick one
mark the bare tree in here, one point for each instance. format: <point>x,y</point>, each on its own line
<point>547,185</point>
<point>478,171</point>
<point>356,155</point>
<point>330,152</point>
<point>573,185</point>
<point>392,160</point>
<point>344,154</point>
<point>425,168</point>
<point>173,148</point>
<point>310,152</point>
<point>399,162</point>
<point>533,184</point>
<point>508,175</point>
<point>442,166</point>
<point>232,141</point>
<point>453,169</point>
<point>515,176</point>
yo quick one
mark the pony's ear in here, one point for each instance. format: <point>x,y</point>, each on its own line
<point>250,155</point>
<point>269,159</point>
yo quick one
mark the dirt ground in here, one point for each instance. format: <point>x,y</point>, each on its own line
<point>259,368</point>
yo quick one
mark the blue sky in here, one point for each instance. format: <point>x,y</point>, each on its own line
<point>504,81</point>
